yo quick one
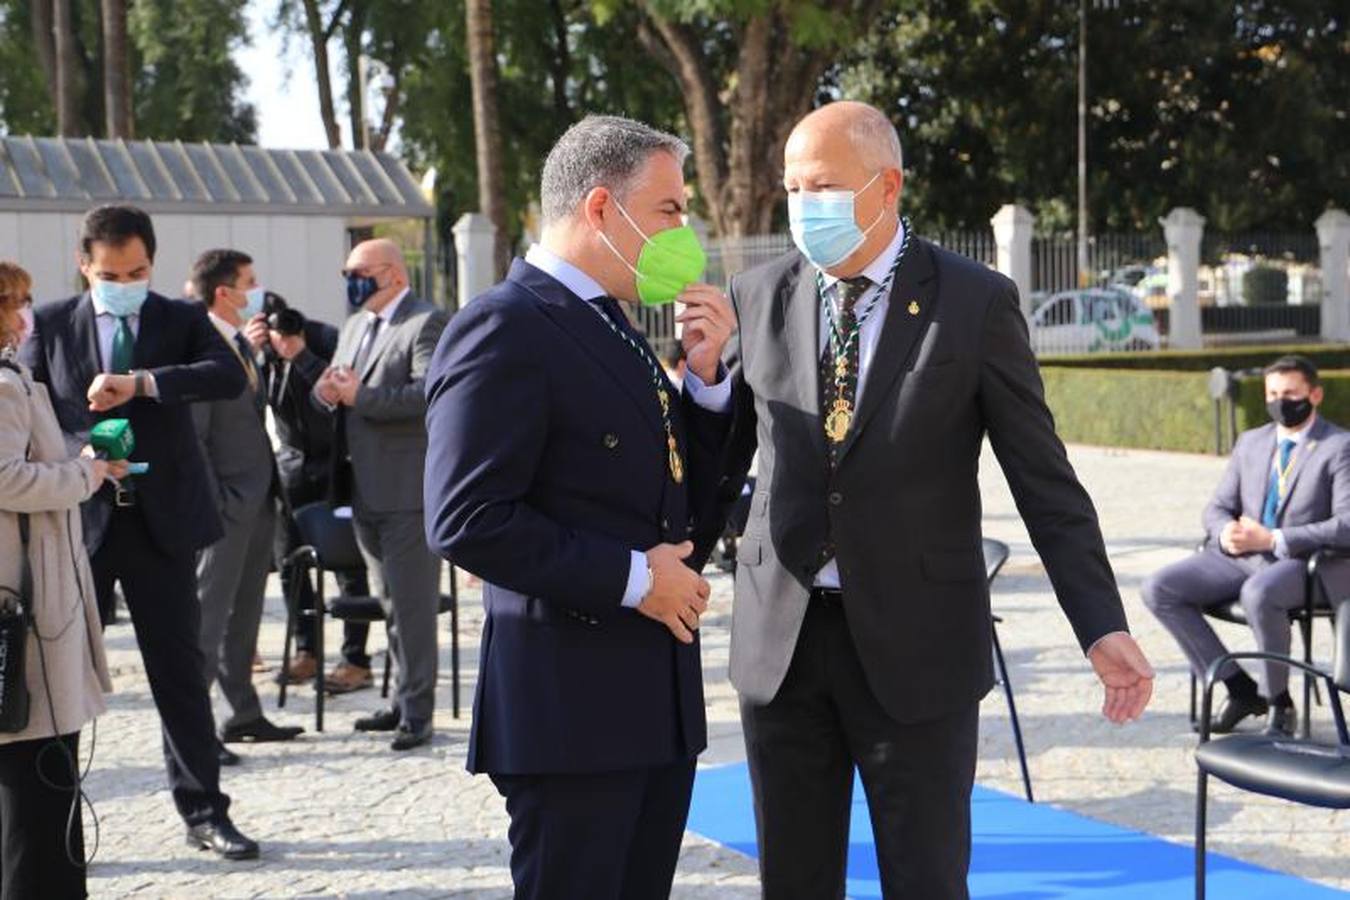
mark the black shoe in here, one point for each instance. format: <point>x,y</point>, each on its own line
<point>260,730</point>
<point>384,720</point>
<point>412,734</point>
<point>1235,709</point>
<point>1282,721</point>
<point>227,756</point>
<point>223,839</point>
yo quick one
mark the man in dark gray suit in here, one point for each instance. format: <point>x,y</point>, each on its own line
<point>871,365</point>
<point>376,389</point>
<point>1284,495</point>
<point>232,572</point>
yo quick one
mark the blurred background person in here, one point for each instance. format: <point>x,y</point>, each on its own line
<point>41,822</point>
<point>296,350</point>
<point>232,572</point>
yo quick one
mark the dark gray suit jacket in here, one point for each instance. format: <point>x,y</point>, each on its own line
<point>953,364</point>
<point>1315,514</point>
<point>386,433</point>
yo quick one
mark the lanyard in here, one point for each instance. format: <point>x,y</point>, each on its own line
<point>842,343</point>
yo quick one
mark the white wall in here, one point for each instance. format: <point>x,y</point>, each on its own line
<point>300,257</point>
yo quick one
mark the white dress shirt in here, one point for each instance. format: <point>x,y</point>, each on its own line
<point>868,336</point>
<point>1283,434</point>
<point>715,397</point>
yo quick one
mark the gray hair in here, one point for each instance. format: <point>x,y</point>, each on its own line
<point>875,140</point>
<point>599,151</point>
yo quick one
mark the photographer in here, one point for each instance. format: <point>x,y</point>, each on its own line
<point>296,351</point>
<point>64,672</point>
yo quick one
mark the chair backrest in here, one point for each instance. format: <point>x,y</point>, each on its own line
<point>995,555</point>
<point>332,537</point>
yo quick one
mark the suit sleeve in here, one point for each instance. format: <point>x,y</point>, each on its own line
<point>487,430</point>
<point>1057,510</point>
<point>209,370</point>
<point>1332,533</point>
<point>1226,504</point>
<point>27,486</point>
<point>737,451</point>
<point>405,401</point>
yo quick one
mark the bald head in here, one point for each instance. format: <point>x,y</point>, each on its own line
<point>860,127</point>
<point>381,259</point>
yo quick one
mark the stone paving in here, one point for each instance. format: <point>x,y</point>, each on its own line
<point>341,816</point>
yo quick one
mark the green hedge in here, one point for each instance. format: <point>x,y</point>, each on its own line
<point>1122,408</point>
<point>1324,356</point>
<point>1251,400</point>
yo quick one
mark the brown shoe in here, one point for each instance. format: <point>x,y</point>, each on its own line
<point>302,669</point>
<point>346,678</point>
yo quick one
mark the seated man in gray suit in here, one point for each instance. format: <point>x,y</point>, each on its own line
<point>1285,494</point>
<point>232,572</point>
<point>376,389</point>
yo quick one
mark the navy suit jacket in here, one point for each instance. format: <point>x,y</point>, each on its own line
<point>547,466</point>
<point>190,361</point>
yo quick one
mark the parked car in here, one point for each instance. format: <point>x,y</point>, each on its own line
<point>1147,283</point>
<point>1093,320</point>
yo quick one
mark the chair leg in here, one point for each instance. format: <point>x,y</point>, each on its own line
<point>1194,716</point>
<point>388,656</point>
<point>320,610</point>
<point>286,644</point>
<point>1305,629</point>
<point>1012,713</point>
<point>1201,803</point>
<point>454,645</point>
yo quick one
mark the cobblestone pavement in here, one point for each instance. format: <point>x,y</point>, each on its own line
<point>340,816</point>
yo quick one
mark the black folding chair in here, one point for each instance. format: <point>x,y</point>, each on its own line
<point>1297,770</point>
<point>1316,605</point>
<point>328,544</point>
<point>995,555</point>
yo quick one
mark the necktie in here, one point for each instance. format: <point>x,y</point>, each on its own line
<point>246,359</point>
<point>1270,514</point>
<point>367,341</point>
<point>123,346</point>
<point>839,371</point>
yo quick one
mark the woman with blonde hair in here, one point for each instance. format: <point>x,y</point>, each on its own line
<point>65,673</point>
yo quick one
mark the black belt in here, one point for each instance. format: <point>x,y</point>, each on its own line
<point>827,596</point>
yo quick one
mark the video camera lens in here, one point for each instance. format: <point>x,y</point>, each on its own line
<point>281,318</point>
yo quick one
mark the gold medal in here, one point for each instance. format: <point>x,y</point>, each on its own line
<point>837,422</point>
<point>676,464</point>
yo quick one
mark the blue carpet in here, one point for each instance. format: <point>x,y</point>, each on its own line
<point>1022,851</point>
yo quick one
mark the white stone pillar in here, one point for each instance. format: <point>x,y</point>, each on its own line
<point>1013,226</point>
<point>1333,237</point>
<point>473,247</point>
<point>1184,229</point>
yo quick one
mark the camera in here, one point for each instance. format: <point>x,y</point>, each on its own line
<point>280,317</point>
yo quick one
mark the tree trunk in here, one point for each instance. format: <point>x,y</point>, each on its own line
<point>487,123</point>
<point>318,36</point>
<point>560,63</point>
<point>44,40</point>
<point>356,75</point>
<point>116,70</point>
<point>68,82</point>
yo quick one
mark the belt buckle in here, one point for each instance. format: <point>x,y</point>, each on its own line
<point>123,497</point>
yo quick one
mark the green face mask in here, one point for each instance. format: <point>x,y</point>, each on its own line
<point>670,261</point>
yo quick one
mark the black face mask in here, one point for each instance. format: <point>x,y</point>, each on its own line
<point>1289,412</point>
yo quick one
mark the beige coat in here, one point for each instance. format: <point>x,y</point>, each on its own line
<point>49,486</point>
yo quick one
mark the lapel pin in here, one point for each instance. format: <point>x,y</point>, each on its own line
<point>914,307</point>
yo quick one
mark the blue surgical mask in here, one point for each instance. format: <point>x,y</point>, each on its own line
<point>360,288</point>
<point>120,299</point>
<point>253,302</point>
<point>824,227</point>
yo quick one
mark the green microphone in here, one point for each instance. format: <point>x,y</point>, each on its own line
<point>113,439</point>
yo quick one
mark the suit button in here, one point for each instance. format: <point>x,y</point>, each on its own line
<point>610,440</point>
<point>665,524</point>
<point>836,498</point>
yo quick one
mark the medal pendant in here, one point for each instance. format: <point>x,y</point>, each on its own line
<point>837,422</point>
<point>676,464</point>
<point>663,396</point>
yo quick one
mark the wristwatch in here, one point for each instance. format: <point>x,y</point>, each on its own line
<point>142,382</point>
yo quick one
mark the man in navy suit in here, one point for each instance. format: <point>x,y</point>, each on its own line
<point>118,350</point>
<point>567,472</point>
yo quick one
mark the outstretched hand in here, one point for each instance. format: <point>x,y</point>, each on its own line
<point>1126,675</point>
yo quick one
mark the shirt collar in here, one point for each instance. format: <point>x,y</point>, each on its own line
<point>222,326</point>
<point>572,278</point>
<point>387,314</point>
<point>880,265</point>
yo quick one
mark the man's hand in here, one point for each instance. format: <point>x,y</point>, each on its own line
<point>1245,536</point>
<point>326,388</point>
<point>345,385</point>
<point>1126,675</point>
<point>678,595</point>
<point>287,346</point>
<point>109,391</point>
<point>708,322</point>
<point>255,332</point>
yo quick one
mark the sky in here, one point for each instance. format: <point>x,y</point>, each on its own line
<point>281,85</point>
